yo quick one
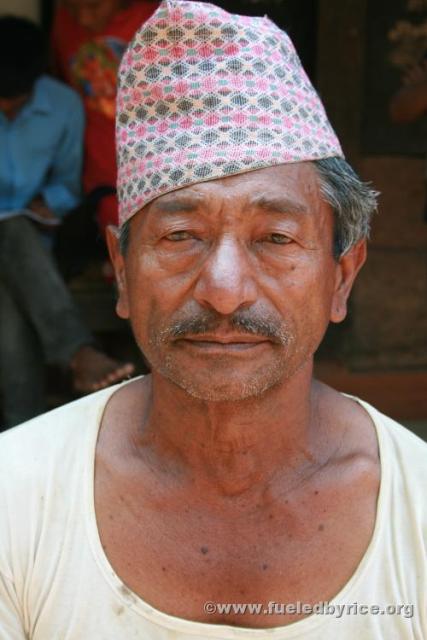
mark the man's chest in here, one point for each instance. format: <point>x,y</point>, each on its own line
<point>178,556</point>
<point>28,137</point>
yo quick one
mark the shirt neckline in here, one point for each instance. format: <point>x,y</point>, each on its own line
<point>157,617</point>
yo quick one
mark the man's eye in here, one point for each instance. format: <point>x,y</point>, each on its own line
<point>176,236</point>
<point>278,238</point>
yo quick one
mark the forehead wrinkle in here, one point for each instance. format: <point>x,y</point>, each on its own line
<point>177,205</point>
<point>278,204</point>
<point>228,198</point>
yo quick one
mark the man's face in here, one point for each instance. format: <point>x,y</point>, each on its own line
<point>230,284</point>
<point>10,107</point>
<point>93,15</point>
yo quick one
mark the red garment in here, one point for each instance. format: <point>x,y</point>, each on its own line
<point>88,62</point>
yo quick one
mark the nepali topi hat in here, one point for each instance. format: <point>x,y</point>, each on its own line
<point>204,94</point>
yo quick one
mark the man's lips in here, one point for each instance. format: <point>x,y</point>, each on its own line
<point>225,338</point>
<point>224,341</point>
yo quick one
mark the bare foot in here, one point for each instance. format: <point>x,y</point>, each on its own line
<point>93,370</point>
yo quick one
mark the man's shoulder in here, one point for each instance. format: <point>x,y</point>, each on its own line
<point>402,448</point>
<point>402,437</point>
<point>59,94</point>
<point>50,439</point>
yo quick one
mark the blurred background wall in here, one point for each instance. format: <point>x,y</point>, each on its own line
<point>356,76</point>
<point>28,8</point>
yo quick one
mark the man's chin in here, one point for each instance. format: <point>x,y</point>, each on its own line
<point>211,387</point>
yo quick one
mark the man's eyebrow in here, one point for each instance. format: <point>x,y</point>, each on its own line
<point>270,204</point>
<point>278,204</point>
<point>176,205</point>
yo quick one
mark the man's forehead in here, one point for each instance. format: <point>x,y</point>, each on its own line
<point>286,188</point>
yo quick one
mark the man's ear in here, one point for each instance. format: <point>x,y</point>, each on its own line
<point>118,262</point>
<point>347,268</point>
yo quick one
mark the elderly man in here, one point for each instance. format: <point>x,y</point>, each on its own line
<point>227,495</point>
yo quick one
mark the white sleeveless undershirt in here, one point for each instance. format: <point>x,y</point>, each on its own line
<point>56,582</point>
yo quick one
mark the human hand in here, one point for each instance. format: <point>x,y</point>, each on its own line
<point>44,213</point>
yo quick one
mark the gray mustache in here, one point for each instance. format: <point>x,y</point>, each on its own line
<point>245,323</point>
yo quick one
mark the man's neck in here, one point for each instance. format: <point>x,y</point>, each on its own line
<point>233,447</point>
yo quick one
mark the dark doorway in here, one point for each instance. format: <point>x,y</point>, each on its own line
<point>46,13</point>
<point>297,17</point>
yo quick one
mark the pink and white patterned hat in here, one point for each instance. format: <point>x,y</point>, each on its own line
<point>205,94</point>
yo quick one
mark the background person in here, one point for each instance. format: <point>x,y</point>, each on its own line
<point>41,129</point>
<point>88,41</point>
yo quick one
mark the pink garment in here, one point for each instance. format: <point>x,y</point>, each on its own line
<point>89,63</point>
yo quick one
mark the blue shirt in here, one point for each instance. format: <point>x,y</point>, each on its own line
<point>41,150</point>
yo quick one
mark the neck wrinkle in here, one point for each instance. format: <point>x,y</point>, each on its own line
<point>235,447</point>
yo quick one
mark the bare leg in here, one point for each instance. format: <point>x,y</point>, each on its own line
<point>21,365</point>
<point>31,277</point>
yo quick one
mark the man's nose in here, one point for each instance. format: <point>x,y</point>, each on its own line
<point>226,282</point>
